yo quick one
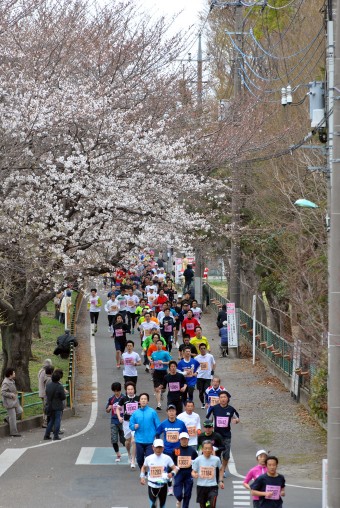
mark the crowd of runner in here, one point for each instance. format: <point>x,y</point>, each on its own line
<point>168,340</point>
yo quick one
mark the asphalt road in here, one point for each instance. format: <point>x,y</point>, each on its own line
<point>35,473</point>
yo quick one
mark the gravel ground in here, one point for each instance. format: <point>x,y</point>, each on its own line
<point>284,427</point>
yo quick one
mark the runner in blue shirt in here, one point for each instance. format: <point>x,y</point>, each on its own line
<point>189,367</point>
<point>161,361</point>
<point>171,428</point>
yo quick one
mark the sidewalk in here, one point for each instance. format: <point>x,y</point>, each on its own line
<point>269,415</point>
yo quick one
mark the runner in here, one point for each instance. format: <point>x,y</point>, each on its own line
<point>209,434</point>
<point>130,404</point>
<point>157,465</point>
<point>270,487</point>
<point>130,360</point>
<point>116,427</point>
<point>167,328</point>
<point>223,416</point>
<point>207,366</point>
<point>205,469</point>
<point>122,302</point>
<point>131,305</point>
<point>112,309</point>
<point>175,382</point>
<point>160,360</point>
<point>213,391</point>
<point>94,305</point>
<point>186,342</point>
<point>192,422</point>
<point>196,311</point>
<point>255,472</point>
<point>147,325</point>
<point>189,367</point>
<point>144,422</point>
<point>151,297</point>
<point>120,330</point>
<point>199,339</point>
<point>183,457</point>
<point>161,298</point>
<point>189,324</point>
<point>147,343</point>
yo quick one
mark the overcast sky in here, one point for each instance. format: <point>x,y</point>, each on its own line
<point>189,8</point>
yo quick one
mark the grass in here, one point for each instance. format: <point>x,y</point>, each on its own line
<point>43,348</point>
<point>220,286</point>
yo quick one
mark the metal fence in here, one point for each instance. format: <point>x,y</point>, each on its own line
<point>278,350</point>
<point>31,399</point>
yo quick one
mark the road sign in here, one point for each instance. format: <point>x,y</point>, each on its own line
<point>232,326</point>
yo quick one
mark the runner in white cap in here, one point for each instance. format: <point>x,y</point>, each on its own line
<point>157,465</point>
<point>255,472</point>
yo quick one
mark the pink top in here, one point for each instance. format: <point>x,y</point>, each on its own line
<point>254,473</point>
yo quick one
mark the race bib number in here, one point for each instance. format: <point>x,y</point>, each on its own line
<point>183,462</point>
<point>207,472</point>
<point>131,407</point>
<point>119,332</point>
<point>190,326</point>
<point>197,315</point>
<point>168,328</point>
<point>172,436</point>
<point>156,472</point>
<point>93,302</point>
<point>158,364</point>
<point>114,308</point>
<point>129,361</point>
<point>222,421</point>
<point>114,408</point>
<point>122,303</point>
<point>204,365</point>
<point>174,387</point>
<point>188,372</point>
<point>152,298</point>
<point>131,303</point>
<point>192,431</point>
<point>213,401</point>
<point>276,490</point>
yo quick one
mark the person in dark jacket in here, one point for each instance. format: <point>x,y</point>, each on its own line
<point>56,395</point>
<point>188,275</point>
<point>222,316</point>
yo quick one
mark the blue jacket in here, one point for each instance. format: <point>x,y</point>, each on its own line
<point>148,421</point>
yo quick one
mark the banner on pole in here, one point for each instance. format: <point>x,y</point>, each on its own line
<point>232,326</point>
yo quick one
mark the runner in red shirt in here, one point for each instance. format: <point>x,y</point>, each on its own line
<point>161,298</point>
<point>189,324</point>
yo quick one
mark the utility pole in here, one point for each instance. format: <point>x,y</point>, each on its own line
<point>199,75</point>
<point>333,436</point>
<point>235,257</point>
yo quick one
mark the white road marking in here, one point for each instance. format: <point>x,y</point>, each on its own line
<point>8,457</point>
<point>85,456</point>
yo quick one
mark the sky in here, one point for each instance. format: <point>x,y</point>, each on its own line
<point>189,10</point>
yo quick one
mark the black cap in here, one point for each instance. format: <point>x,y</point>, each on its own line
<point>171,406</point>
<point>208,423</point>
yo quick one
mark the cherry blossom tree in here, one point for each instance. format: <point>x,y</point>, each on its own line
<point>95,151</point>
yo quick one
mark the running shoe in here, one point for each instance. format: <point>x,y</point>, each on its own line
<point>202,406</point>
<point>170,491</point>
<point>133,465</point>
<point>159,407</point>
<point>118,458</point>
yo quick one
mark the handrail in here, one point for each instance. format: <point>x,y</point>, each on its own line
<point>277,349</point>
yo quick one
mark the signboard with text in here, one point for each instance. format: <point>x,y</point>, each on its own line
<point>232,326</point>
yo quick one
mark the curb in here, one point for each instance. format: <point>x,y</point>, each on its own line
<point>32,422</point>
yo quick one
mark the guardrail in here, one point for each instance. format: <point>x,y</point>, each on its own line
<point>31,399</point>
<point>277,349</point>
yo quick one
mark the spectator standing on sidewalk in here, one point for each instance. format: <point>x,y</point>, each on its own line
<point>42,378</point>
<point>56,395</point>
<point>10,401</point>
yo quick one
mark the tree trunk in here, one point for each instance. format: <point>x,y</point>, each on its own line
<point>36,327</point>
<point>16,347</point>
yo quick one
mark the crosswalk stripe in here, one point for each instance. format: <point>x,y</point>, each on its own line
<point>8,457</point>
<point>85,456</point>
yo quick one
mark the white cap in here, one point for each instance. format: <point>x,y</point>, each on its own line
<point>260,453</point>
<point>225,323</point>
<point>158,442</point>
<point>184,434</point>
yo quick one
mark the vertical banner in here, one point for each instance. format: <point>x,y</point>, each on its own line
<point>295,383</point>
<point>232,326</point>
<point>178,270</point>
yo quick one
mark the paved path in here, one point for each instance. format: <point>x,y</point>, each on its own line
<point>78,472</point>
